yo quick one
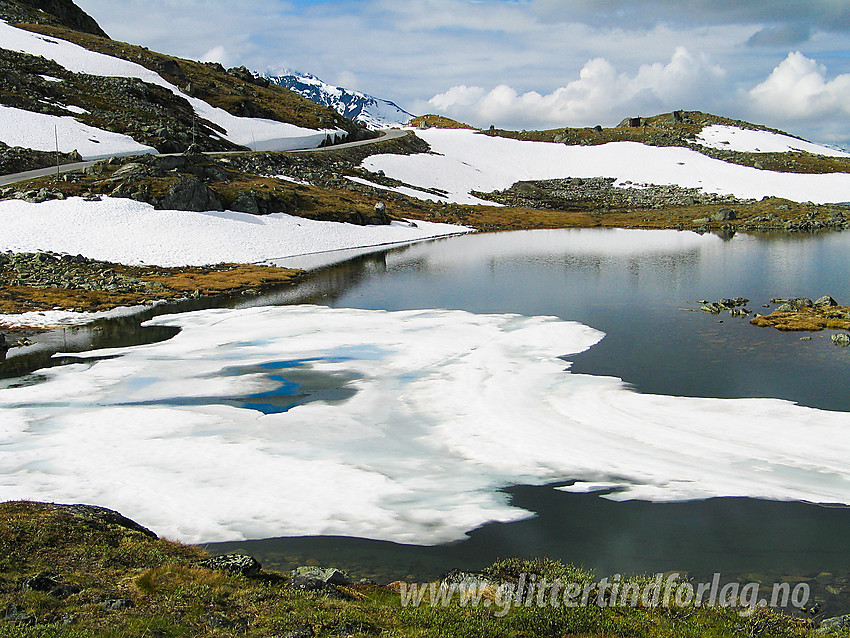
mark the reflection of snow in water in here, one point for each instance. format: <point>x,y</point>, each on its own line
<point>434,410</point>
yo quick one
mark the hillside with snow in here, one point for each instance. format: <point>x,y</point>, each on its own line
<point>732,138</point>
<point>464,161</point>
<point>56,92</point>
<point>373,112</point>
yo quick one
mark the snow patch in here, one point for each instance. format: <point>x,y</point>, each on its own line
<point>404,190</point>
<point>732,138</point>
<point>293,180</point>
<point>130,232</point>
<point>36,131</point>
<point>464,161</point>
<point>256,133</point>
<point>58,318</point>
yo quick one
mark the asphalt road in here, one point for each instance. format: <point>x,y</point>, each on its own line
<point>14,178</point>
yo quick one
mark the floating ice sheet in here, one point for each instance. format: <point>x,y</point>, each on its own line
<point>404,426</point>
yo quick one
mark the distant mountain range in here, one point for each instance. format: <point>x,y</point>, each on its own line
<point>370,111</point>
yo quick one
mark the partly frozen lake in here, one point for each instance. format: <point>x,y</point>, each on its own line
<point>420,382</point>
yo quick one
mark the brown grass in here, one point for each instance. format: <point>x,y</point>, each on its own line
<point>437,121</point>
<point>176,283</point>
<point>808,319</point>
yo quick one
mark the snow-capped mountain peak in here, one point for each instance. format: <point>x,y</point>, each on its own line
<point>370,111</point>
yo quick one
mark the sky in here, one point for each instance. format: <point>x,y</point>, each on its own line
<point>532,63</point>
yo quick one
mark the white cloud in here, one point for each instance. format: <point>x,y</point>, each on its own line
<point>413,50</point>
<point>599,94</point>
<point>217,54</point>
<point>798,89</point>
<point>347,79</point>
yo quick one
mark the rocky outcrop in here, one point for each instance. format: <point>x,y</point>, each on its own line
<point>104,516</point>
<point>191,194</point>
<point>834,625</point>
<point>323,580</point>
<point>309,577</point>
<point>49,270</point>
<point>58,12</point>
<point>14,159</point>
<point>734,306</point>
<point>50,584</point>
<point>561,194</point>
<point>148,113</point>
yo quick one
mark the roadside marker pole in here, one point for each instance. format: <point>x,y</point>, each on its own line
<point>56,135</point>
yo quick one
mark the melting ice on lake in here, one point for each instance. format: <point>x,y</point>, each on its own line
<point>302,420</point>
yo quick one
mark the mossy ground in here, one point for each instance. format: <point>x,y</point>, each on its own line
<point>172,596</point>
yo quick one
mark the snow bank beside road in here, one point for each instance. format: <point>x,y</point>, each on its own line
<point>130,232</point>
<point>36,131</point>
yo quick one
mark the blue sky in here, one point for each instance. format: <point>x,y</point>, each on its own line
<point>532,63</point>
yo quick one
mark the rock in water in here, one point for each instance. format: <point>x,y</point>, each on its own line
<point>825,302</point>
<point>841,339</point>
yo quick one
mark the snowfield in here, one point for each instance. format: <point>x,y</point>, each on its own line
<point>255,133</point>
<point>467,161</point>
<point>414,454</point>
<point>130,232</point>
<point>732,138</point>
<point>40,132</point>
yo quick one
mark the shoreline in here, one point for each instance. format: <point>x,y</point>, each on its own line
<point>127,286</point>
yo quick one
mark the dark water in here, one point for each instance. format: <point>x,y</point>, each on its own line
<point>634,287</point>
<point>636,297</point>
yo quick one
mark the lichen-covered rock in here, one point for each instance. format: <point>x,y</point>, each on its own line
<point>724,214</point>
<point>239,564</point>
<point>19,615</point>
<point>825,302</point>
<point>316,577</point>
<point>116,604</point>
